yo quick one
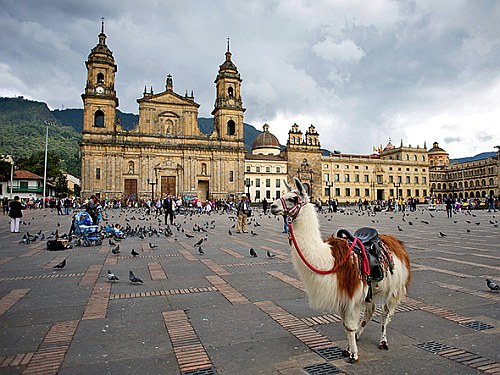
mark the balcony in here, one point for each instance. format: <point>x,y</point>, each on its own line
<point>25,190</point>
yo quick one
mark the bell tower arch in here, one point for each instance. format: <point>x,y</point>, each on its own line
<point>228,110</point>
<point>99,99</point>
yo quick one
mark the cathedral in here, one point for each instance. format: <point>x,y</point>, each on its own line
<point>166,153</point>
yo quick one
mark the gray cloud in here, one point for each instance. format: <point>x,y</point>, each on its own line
<point>361,72</point>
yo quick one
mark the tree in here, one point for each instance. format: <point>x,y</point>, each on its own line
<point>61,185</point>
<point>35,164</point>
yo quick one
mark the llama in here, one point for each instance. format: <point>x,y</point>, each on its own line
<point>341,289</point>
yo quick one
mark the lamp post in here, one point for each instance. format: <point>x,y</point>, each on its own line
<point>152,183</point>
<point>47,123</point>
<point>397,185</point>
<point>248,183</point>
<point>329,185</point>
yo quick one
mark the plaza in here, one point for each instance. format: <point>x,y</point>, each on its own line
<point>225,312</point>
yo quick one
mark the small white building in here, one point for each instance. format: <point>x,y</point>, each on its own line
<point>25,184</point>
<point>265,169</point>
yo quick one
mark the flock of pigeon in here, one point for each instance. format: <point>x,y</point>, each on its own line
<point>175,229</point>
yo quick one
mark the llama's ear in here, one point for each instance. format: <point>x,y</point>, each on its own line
<point>289,188</point>
<point>299,186</point>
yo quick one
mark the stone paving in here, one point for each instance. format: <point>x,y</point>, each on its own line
<point>225,312</point>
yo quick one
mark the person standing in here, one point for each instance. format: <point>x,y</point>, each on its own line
<point>449,207</point>
<point>243,209</point>
<point>91,208</point>
<point>169,207</point>
<point>15,213</point>
<point>264,206</point>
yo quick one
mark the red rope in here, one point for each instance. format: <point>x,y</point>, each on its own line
<point>334,269</point>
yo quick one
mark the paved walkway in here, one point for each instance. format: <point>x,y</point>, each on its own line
<point>225,312</point>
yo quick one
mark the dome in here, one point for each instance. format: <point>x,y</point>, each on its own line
<point>436,149</point>
<point>265,140</point>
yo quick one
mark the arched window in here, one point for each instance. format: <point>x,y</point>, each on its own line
<point>423,158</point>
<point>407,157</point>
<point>478,195</point>
<point>230,92</point>
<point>490,181</point>
<point>466,184</point>
<point>231,127</point>
<point>477,183</point>
<point>415,157</point>
<point>100,78</point>
<point>292,139</point>
<point>99,119</point>
<point>444,186</point>
<point>439,186</point>
<point>483,182</point>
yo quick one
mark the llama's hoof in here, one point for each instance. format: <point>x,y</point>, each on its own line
<point>352,359</point>
<point>383,345</point>
<point>346,353</point>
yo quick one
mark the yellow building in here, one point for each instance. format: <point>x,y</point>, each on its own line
<point>465,180</point>
<point>166,152</point>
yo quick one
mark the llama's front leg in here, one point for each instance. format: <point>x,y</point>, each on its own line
<point>350,327</point>
<point>367,316</point>
<point>387,313</point>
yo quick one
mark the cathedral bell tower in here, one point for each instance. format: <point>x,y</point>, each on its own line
<point>228,110</point>
<point>99,99</point>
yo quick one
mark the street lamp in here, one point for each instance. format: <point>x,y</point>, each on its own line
<point>47,123</point>
<point>152,183</point>
<point>329,185</point>
<point>248,183</point>
<point>397,185</point>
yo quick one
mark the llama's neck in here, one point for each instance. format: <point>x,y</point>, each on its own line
<point>306,228</point>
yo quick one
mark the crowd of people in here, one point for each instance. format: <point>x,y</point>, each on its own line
<point>171,206</point>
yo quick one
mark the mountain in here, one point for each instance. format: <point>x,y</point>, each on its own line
<point>481,156</point>
<point>23,127</point>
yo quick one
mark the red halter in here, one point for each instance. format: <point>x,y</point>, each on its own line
<point>291,215</point>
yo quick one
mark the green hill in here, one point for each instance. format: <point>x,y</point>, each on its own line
<point>23,126</point>
<point>22,132</point>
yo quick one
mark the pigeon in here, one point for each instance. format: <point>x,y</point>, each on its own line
<point>253,233</point>
<point>425,222</point>
<point>442,234</point>
<point>200,250</point>
<point>111,243</point>
<point>198,243</point>
<point>230,233</point>
<point>134,253</point>
<point>253,253</point>
<point>112,277</point>
<point>134,279</point>
<point>493,287</point>
<point>152,246</point>
<point>61,265</point>
<point>400,229</point>
<point>189,235</point>
<point>116,250</point>
<point>270,255</point>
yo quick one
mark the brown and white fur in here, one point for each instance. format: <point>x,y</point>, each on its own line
<point>343,291</point>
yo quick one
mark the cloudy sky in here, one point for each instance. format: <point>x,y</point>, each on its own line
<point>362,72</point>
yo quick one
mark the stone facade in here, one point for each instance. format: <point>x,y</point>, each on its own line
<point>166,152</point>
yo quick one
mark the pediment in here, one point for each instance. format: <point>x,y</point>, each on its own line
<point>169,98</point>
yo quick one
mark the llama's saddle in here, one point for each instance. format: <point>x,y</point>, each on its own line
<point>372,243</point>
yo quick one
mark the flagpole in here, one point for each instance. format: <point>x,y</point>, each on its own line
<point>45,163</point>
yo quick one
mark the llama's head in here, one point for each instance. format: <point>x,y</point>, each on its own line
<point>291,201</point>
